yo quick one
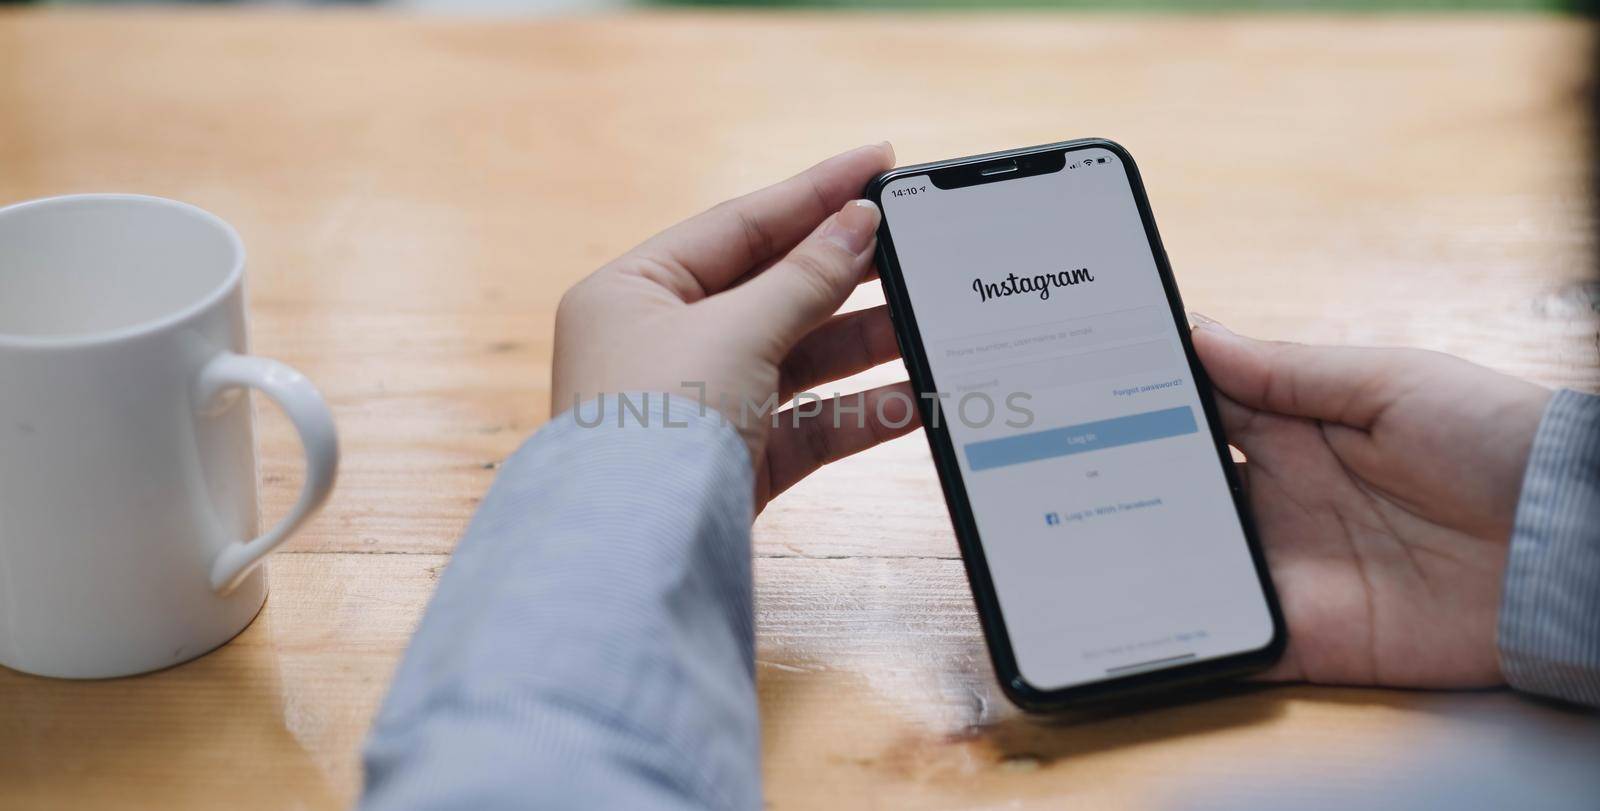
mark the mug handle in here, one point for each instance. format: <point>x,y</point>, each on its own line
<point>311,417</point>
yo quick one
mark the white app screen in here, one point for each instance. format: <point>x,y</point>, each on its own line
<point>1101,504</point>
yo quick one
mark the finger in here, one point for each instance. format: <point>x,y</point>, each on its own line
<point>870,276</point>
<point>718,246</point>
<point>1339,384</point>
<point>812,434</point>
<point>1236,424</point>
<point>799,293</point>
<point>1236,419</point>
<point>1269,438</point>
<point>846,344</point>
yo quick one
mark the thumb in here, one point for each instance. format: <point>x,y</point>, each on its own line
<point>1345,385</point>
<point>806,287</point>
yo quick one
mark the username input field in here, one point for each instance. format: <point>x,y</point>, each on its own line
<point>1005,346</point>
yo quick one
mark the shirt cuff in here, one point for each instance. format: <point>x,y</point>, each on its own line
<point>592,641</point>
<point>1549,635</point>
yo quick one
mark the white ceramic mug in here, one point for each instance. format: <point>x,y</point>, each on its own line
<point>128,524</point>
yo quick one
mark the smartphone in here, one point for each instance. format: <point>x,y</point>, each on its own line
<point>1104,530</point>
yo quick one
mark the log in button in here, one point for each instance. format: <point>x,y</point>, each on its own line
<point>1089,436</point>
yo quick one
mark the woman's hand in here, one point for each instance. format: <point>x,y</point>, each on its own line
<point>736,305</point>
<point>1384,483</point>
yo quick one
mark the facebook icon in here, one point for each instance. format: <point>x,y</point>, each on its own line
<point>1051,519</point>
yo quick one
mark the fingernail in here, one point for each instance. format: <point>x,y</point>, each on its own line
<point>1200,320</point>
<point>854,226</point>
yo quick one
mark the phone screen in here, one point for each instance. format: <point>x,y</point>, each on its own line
<point>1112,539</point>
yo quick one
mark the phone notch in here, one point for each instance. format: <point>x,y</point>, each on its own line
<point>998,169</point>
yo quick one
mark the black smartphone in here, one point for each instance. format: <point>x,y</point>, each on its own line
<point>1105,533</point>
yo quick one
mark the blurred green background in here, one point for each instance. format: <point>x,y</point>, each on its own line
<point>1181,6</point>
<point>1569,6</point>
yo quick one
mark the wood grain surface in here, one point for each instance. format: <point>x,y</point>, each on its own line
<point>415,194</point>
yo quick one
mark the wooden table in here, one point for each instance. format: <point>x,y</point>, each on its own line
<point>416,194</point>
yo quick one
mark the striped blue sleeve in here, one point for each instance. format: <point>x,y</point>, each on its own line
<point>1550,613</point>
<point>591,644</point>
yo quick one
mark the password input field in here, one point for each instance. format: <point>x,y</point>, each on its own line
<point>1085,367</point>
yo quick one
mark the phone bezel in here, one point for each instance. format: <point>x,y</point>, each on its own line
<point>1015,687</point>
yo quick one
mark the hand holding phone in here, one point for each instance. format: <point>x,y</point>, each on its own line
<point>1385,483</point>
